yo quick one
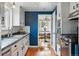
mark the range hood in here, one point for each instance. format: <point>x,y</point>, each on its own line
<point>74,15</point>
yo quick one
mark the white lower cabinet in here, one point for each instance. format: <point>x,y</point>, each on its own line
<point>26,41</point>
<point>15,49</point>
<point>23,46</point>
<point>15,53</point>
<point>6,52</point>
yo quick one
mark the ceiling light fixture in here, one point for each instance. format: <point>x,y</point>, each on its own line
<point>13,4</point>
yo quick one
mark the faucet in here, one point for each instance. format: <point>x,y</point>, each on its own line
<point>9,32</point>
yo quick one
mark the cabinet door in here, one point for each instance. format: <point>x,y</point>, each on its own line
<point>6,52</point>
<point>77,5</point>
<point>7,18</point>
<point>25,42</point>
<point>16,16</point>
<point>58,11</point>
<point>21,47</point>
<point>27,38</point>
<point>15,49</point>
<point>16,53</point>
<point>72,7</point>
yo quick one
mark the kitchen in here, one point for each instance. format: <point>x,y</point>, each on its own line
<point>39,25</point>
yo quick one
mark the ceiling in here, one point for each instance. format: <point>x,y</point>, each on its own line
<point>37,6</point>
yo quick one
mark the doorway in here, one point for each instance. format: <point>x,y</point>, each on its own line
<point>44,30</point>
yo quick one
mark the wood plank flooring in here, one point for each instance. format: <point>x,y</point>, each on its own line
<point>64,51</point>
<point>40,52</point>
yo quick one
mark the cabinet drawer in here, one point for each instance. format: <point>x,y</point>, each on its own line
<point>77,5</point>
<point>16,53</point>
<point>14,47</point>
<point>6,52</point>
<point>72,7</point>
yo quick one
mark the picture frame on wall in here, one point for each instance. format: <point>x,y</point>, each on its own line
<point>3,22</point>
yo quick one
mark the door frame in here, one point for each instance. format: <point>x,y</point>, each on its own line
<point>54,11</point>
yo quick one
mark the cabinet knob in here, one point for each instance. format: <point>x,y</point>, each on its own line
<point>73,7</point>
<point>77,5</point>
<point>15,45</point>
<point>17,53</point>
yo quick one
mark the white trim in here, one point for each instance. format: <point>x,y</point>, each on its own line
<point>73,17</point>
<point>38,30</point>
<point>33,46</point>
<point>0,35</point>
<point>54,51</point>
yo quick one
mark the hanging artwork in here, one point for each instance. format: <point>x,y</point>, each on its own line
<point>3,22</point>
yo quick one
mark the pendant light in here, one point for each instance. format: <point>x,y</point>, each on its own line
<point>13,4</point>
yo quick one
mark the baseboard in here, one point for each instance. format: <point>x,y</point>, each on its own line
<point>33,46</point>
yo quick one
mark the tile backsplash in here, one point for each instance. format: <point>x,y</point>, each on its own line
<point>15,29</point>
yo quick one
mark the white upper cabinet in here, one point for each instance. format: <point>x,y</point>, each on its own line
<point>77,5</point>
<point>1,9</point>
<point>74,6</point>
<point>63,24</point>
<point>6,21</point>
<point>18,16</point>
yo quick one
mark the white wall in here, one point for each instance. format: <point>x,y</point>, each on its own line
<point>74,25</point>
<point>65,22</point>
<point>68,27</point>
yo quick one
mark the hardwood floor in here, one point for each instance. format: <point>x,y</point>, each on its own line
<point>43,52</point>
<point>65,52</point>
<point>40,52</point>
